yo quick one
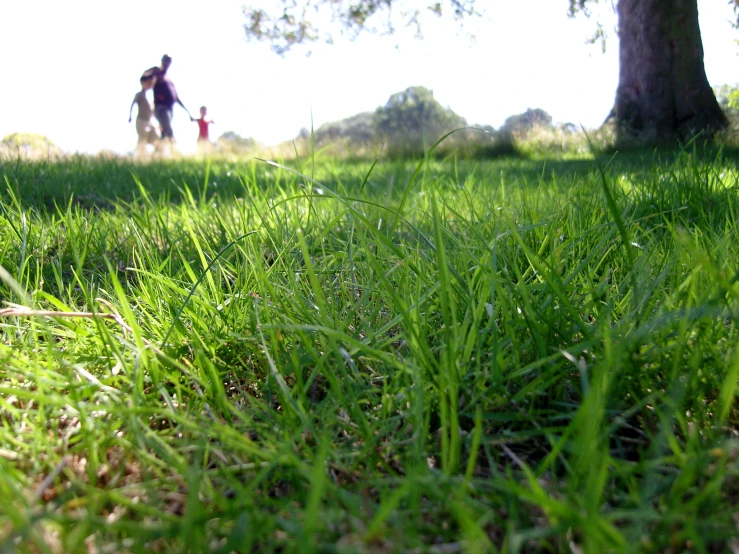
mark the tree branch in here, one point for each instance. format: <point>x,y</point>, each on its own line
<point>297,22</point>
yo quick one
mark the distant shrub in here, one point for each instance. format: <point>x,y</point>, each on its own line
<point>413,120</point>
<point>352,137</point>
<point>728,99</point>
<point>358,129</point>
<point>28,145</point>
<point>527,121</point>
<point>231,143</point>
<point>542,141</point>
<point>477,141</point>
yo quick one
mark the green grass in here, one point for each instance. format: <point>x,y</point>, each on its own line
<point>498,356</point>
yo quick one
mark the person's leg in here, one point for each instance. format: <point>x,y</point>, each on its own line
<point>203,146</point>
<point>164,117</point>
<point>152,137</point>
<point>142,133</point>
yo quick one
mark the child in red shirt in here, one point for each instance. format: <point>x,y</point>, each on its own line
<point>203,122</point>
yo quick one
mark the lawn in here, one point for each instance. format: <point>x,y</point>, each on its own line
<point>425,356</point>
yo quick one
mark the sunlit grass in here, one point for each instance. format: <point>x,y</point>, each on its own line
<point>461,356</point>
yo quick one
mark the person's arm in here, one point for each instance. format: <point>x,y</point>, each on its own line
<point>184,108</point>
<point>176,97</point>
<point>152,71</point>
<point>130,112</point>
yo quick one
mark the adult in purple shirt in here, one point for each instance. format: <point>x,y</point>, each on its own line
<point>165,96</point>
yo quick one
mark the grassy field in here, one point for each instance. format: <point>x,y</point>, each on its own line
<point>450,356</point>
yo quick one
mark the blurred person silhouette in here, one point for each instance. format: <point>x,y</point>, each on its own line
<point>147,133</point>
<point>204,144</point>
<point>165,97</point>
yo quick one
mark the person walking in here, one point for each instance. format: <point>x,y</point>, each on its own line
<point>145,130</point>
<point>204,144</point>
<point>165,97</point>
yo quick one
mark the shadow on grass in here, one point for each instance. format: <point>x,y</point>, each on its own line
<point>99,183</point>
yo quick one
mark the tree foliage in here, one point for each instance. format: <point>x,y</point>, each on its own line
<point>287,23</point>
<point>728,98</point>
<point>413,119</point>
<point>357,129</point>
<point>28,144</point>
<point>525,122</point>
<point>231,142</point>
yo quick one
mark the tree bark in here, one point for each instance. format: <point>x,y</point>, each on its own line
<point>663,94</point>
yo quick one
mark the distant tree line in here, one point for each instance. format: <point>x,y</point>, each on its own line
<point>412,120</point>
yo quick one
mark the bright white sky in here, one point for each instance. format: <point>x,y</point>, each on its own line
<point>70,68</point>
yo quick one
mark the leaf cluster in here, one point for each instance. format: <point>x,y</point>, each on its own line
<point>289,23</point>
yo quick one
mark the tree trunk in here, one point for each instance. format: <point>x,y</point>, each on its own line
<point>663,93</point>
